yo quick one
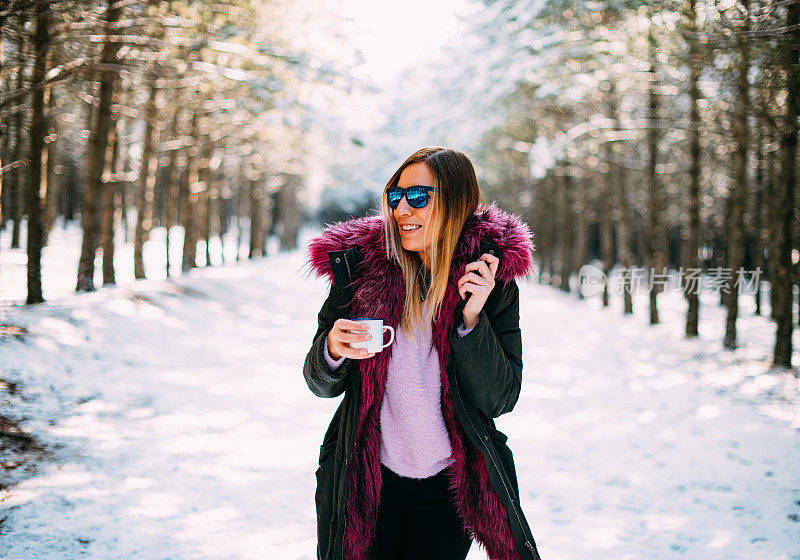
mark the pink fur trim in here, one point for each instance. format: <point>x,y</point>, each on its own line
<point>511,234</point>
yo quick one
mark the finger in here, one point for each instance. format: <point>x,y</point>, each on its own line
<point>351,337</point>
<point>474,265</point>
<point>347,324</point>
<point>355,353</point>
<point>473,288</point>
<point>464,289</point>
<point>474,279</point>
<point>480,267</point>
<point>474,276</point>
<point>477,279</point>
<point>493,260</point>
<point>484,269</point>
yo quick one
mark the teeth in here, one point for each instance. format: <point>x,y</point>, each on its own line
<point>409,228</point>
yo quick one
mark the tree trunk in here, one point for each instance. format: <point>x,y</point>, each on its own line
<point>98,141</point>
<point>531,218</point>
<point>554,224</point>
<point>110,183</point>
<point>736,237</point>
<point>544,216</point>
<point>622,213</point>
<point>606,231</point>
<point>207,209</point>
<point>214,222</point>
<point>581,228</point>
<point>203,188</point>
<point>222,215</point>
<point>565,197</point>
<point>240,194</point>
<point>692,241</point>
<point>3,134</point>
<point>50,146</point>
<point>189,198</point>
<point>256,235</point>
<point>290,211</point>
<point>71,195</point>
<point>173,188</point>
<point>655,252</point>
<point>784,202</point>
<point>126,186</point>
<point>77,199</point>
<point>17,181</point>
<point>41,45</point>
<point>183,200</point>
<point>759,229</point>
<point>146,180</point>
<point>5,191</point>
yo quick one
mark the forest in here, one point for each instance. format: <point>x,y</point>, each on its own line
<point>653,139</point>
<point>644,137</point>
<point>165,166</point>
<point>132,115</point>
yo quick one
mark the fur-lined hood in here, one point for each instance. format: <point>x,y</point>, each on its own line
<point>510,233</point>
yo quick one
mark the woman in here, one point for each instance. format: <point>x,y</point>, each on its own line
<point>412,464</point>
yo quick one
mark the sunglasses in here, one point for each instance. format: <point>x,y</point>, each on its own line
<point>416,195</point>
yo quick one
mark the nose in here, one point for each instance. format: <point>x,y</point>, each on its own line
<point>404,209</point>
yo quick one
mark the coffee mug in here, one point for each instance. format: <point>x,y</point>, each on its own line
<point>376,328</point>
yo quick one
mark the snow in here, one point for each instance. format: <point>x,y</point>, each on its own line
<point>182,427</point>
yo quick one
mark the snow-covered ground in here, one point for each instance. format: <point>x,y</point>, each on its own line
<point>182,428</point>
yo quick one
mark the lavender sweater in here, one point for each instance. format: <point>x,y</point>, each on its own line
<point>414,440</point>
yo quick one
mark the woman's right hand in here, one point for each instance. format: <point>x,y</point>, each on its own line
<point>339,339</point>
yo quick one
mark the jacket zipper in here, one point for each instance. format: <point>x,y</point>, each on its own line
<point>347,477</point>
<point>347,265</point>
<point>350,451</point>
<point>343,522</point>
<point>528,545</point>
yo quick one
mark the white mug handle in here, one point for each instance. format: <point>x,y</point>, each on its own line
<point>391,338</point>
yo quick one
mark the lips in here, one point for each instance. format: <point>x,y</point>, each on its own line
<point>410,230</point>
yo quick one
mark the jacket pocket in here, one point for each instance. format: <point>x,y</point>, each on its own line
<point>332,433</point>
<point>326,449</point>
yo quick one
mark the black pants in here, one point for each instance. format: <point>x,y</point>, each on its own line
<point>417,519</point>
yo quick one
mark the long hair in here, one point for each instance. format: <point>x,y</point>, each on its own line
<point>455,199</point>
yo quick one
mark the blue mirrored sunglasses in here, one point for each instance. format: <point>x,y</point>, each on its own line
<point>416,195</point>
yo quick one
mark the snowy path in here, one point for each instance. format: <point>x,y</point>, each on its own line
<point>187,430</point>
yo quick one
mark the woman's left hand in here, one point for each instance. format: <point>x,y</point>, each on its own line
<point>479,281</point>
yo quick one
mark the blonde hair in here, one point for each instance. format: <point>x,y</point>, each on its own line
<point>455,199</point>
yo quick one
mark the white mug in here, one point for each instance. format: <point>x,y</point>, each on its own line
<point>376,328</point>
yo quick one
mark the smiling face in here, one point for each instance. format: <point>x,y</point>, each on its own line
<point>420,238</point>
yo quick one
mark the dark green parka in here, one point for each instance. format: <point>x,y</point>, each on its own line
<point>481,379</point>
